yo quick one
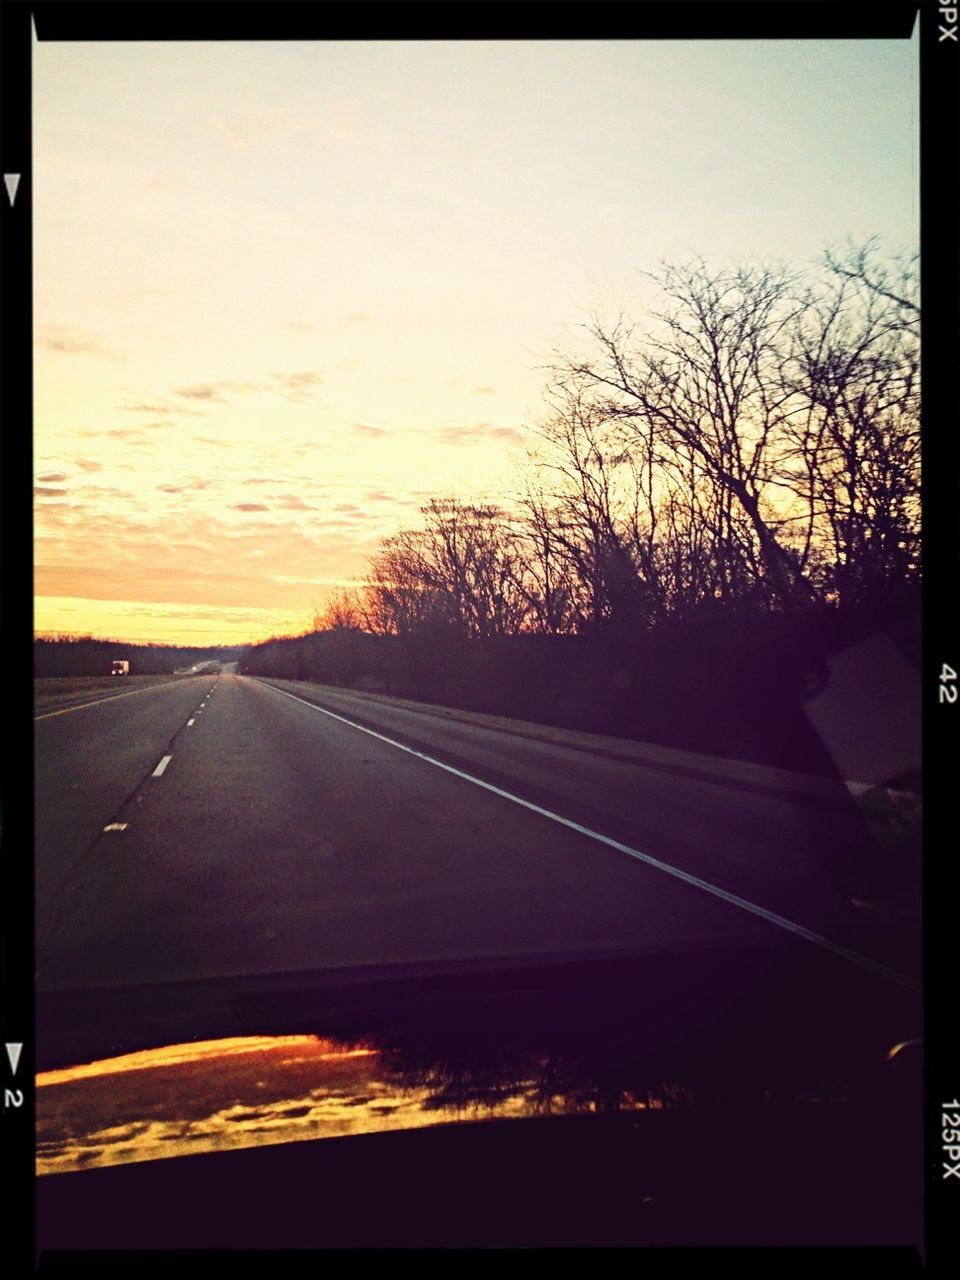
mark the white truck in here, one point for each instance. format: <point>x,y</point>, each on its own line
<point>121,667</point>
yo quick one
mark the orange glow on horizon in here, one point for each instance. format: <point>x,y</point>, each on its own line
<point>131,622</point>
<point>238,394</point>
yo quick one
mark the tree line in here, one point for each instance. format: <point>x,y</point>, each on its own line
<point>743,462</point>
<point>72,655</point>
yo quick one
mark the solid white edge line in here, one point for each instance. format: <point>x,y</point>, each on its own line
<point>111,697</point>
<point>161,766</point>
<point>714,890</point>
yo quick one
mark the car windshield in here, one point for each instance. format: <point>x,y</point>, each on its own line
<point>509,818</point>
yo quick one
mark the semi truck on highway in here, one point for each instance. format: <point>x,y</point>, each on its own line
<point>121,668</point>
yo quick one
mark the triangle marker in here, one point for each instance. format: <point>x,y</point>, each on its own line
<point>11,182</point>
<point>13,1053</point>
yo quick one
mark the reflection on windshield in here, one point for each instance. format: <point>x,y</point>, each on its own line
<point>241,1092</point>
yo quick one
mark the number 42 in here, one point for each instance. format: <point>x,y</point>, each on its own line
<point>948,684</point>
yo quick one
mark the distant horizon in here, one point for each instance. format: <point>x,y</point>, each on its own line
<point>74,637</point>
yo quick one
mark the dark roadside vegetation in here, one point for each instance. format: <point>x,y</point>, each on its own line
<point>76,656</point>
<point>724,683</point>
<point>721,497</point>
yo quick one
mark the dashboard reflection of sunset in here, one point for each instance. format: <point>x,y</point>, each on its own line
<point>258,1090</point>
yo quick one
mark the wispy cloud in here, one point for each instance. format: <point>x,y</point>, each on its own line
<point>290,502</point>
<point>301,326</point>
<point>240,385</point>
<point>201,391</point>
<point>484,391</point>
<point>88,464</point>
<point>216,392</point>
<point>221,444</point>
<point>99,491</point>
<point>479,431</point>
<point>42,491</point>
<point>160,408</point>
<point>361,429</point>
<point>71,340</point>
<point>248,506</point>
<point>53,478</point>
<point>356,317</point>
<point>233,560</point>
<point>298,386</point>
<point>144,407</point>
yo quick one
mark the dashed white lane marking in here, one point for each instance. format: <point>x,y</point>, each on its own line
<point>116,826</point>
<point>161,766</point>
<point>753,908</point>
<point>46,715</point>
<point>190,722</point>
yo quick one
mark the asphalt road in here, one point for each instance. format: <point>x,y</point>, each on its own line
<point>282,837</point>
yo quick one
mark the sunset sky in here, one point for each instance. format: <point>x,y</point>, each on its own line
<point>284,293</point>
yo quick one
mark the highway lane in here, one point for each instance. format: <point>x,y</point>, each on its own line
<point>708,824</point>
<point>278,839</point>
<point>88,759</point>
<point>775,837</point>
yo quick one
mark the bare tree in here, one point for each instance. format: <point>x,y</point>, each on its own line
<point>635,529</point>
<point>344,611</point>
<point>896,281</point>
<point>590,520</point>
<point>401,596</point>
<point>548,582</point>
<point>706,381</point>
<point>478,565</point>
<point>854,459</point>
<point>755,442</point>
<point>461,571</point>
